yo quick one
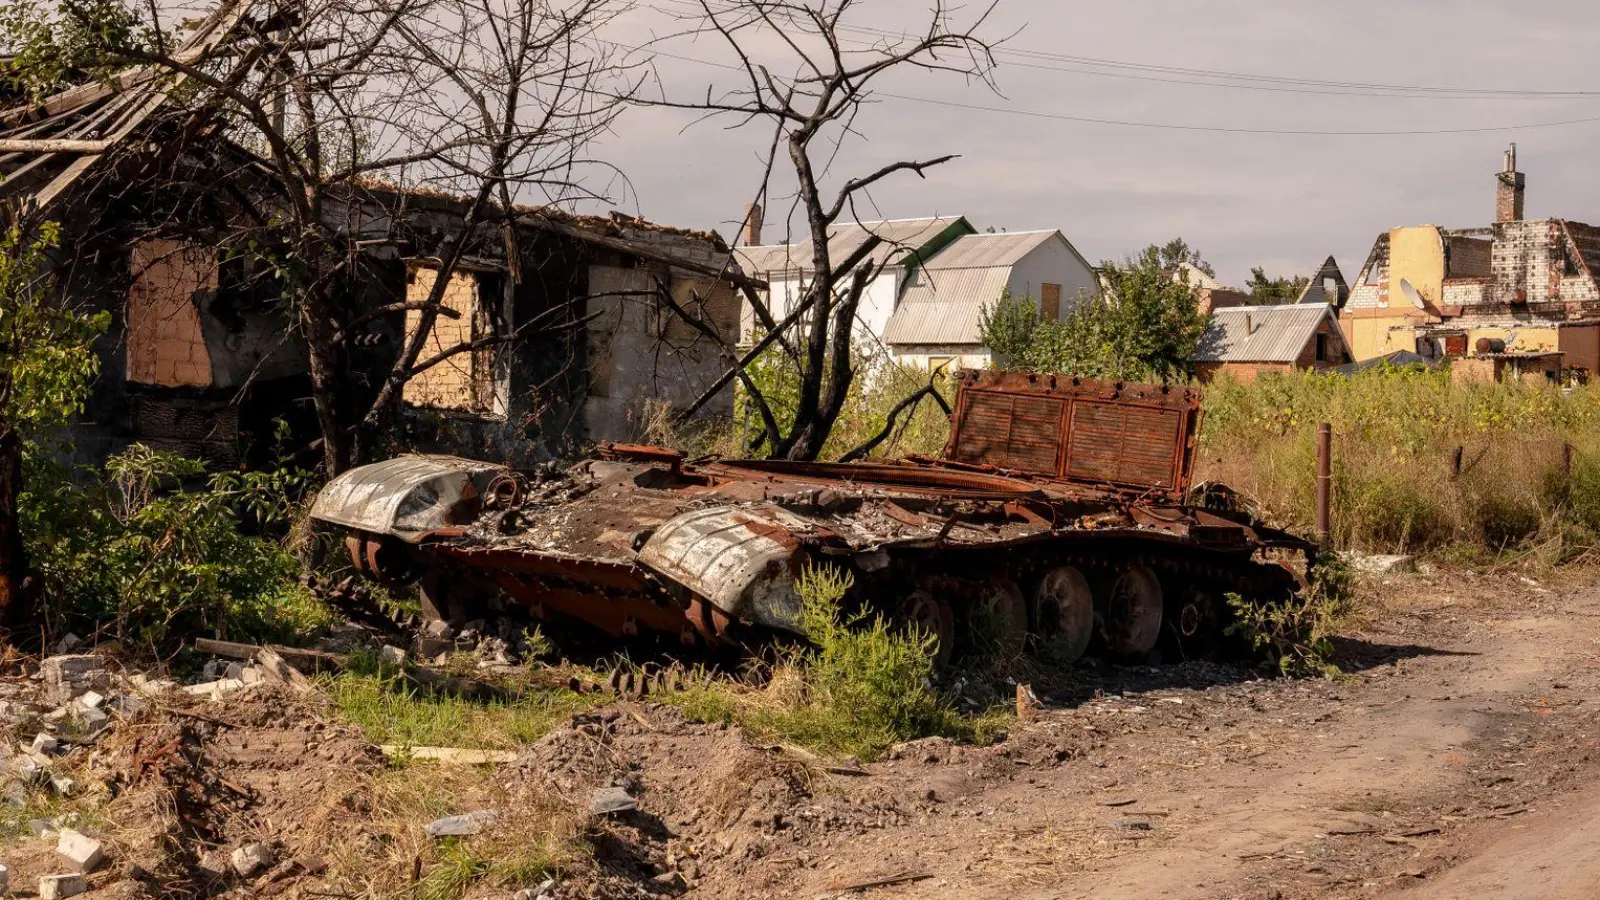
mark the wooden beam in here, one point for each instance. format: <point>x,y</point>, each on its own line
<point>52,145</point>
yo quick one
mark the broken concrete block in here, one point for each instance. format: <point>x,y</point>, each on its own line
<point>68,676</point>
<point>43,743</point>
<point>604,801</point>
<point>462,825</point>
<point>214,689</point>
<point>59,887</point>
<point>439,628</point>
<point>92,700</point>
<point>94,719</point>
<point>234,670</point>
<point>1382,563</point>
<point>430,647</point>
<point>68,644</point>
<point>26,768</point>
<point>251,858</point>
<point>81,852</point>
<point>62,785</point>
<point>252,675</point>
<point>393,656</point>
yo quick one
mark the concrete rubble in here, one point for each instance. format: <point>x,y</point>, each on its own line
<point>69,676</point>
<point>81,852</point>
<point>59,887</point>
<point>462,825</point>
<point>609,800</point>
<point>252,858</point>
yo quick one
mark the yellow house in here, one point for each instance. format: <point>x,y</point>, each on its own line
<point>1519,286</point>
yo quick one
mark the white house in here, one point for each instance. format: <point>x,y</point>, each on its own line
<point>936,321</point>
<point>936,275</point>
<point>787,267</point>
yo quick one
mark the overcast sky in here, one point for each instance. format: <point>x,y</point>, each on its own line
<point>1276,200</point>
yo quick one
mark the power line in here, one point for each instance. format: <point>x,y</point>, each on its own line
<point>1216,78</point>
<point>1170,126</point>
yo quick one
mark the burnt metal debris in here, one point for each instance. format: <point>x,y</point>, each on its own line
<point>1061,508</point>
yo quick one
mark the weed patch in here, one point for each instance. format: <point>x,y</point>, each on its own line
<point>861,687</point>
<point>1294,636</point>
<point>389,710</point>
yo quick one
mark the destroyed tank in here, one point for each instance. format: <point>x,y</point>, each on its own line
<point>1059,515</point>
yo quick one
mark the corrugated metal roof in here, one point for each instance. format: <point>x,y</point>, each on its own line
<point>976,251</point>
<point>1260,333</point>
<point>900,236</point>
<point>757,261</point>
<point>944,306</point>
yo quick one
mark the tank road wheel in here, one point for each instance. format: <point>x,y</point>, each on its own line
<point>998,602</point>
<point>927,614</point>
<point>1131,621</point>
<point>1063,612</point>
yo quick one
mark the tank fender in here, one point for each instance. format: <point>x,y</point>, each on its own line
<point>407,496</point>
<point>743,560</point>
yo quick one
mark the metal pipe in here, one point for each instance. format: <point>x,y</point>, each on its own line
<point>1324,483</point>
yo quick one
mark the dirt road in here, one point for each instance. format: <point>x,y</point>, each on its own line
<point>1458,761</point>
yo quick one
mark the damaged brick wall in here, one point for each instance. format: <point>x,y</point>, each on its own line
<point>464,381</point>
<point>166,343</point>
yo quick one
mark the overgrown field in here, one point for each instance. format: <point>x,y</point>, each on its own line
<point>1420,464</point>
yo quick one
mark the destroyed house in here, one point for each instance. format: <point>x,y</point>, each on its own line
<point>1516,286</point>
<point>571,338</point>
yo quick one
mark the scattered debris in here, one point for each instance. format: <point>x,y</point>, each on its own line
<point>462,825</point>
<point>450,755</point>
<point>59,887</point>
<point>608,800</point>
<point>252,858</point>
<point>82,852</point>
<point>392,655</point>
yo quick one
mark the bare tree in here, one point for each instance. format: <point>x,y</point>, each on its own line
<point>802,75</point>
<point>323,116</point>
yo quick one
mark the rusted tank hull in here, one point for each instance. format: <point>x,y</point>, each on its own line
<point>1057,503</point>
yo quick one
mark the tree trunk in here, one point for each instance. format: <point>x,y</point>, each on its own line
<point>16,608</point>
<point>318,328</point>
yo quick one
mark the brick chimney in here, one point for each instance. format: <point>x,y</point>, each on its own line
<point>750,236</point>
<point>1508,193</point>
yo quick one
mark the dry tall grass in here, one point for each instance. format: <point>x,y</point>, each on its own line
<point>1398,435</point>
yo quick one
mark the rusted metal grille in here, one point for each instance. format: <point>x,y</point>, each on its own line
<point>1013,431</point>
<point>1122,444</point>
<point>1127,436</point>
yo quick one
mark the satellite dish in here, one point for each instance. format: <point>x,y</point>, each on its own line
<point>1412,295</point>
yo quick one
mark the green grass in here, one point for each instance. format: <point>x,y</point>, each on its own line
<point>1396,436</point>
<point>860,688</point>
<point>389,710</point>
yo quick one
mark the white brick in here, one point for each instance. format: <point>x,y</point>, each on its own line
<point>82,852</point>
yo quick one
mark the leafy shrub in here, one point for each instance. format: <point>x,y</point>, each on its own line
<point>128,553</point>
<point>1294,635</point>
<point>867,685</point>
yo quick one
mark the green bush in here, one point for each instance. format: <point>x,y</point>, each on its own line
<point>129,554</point>
<point>1294,635</point>
<point>867,685</point>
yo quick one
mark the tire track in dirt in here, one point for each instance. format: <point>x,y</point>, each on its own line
<point>1281,789</point>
